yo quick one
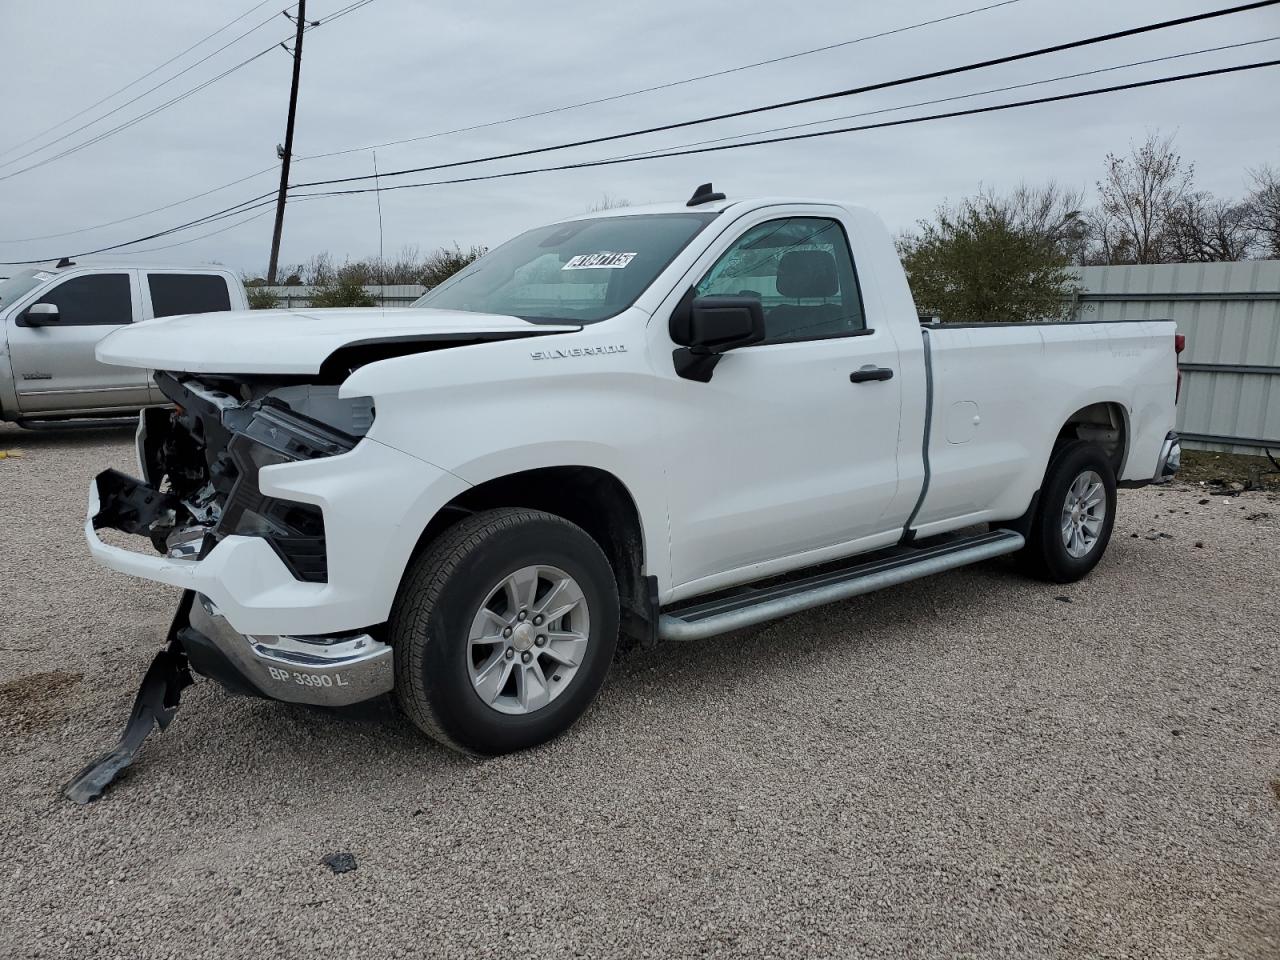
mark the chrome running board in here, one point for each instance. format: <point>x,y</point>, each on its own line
<point>750,606</point>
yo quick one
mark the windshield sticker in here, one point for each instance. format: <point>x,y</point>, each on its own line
<point>599,261</point>
<point>43,276</point>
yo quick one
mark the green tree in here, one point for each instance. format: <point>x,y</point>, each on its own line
<point>996,258</point>
<point>336,291</point>
<point>261,298</point>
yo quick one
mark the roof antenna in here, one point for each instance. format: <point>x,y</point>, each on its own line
<point>704,194</point>
<point>66,262</point>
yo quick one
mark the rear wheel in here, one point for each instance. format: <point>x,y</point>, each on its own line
<point>1074,515</point>
<point>504,630</point>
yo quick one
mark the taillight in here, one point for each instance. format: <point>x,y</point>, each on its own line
<point>1179,344</point>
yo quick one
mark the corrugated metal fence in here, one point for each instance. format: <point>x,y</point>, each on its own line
<point>388,295</point>
<point>1230,314</point>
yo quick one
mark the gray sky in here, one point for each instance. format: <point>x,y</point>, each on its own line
<point>398,68</point>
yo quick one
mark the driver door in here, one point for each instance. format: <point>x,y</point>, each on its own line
<point>54,367</point>
<point>781,459</point>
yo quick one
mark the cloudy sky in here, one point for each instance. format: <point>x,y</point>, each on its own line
<point>396,69</point>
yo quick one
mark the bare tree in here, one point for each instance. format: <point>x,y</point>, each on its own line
<point>409,266</point>
<point>1053,212</point>
<point>607,202</point>
<point>1206,229</point>
<point>1137,197</point>
<point>1263,204</point>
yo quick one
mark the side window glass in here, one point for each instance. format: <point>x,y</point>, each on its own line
<point>101,298</point>
<point>801,270</point>
<point>176,293</point>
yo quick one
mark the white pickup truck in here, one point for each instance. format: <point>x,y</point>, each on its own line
<point>664,422</point>
<point>51,319</point>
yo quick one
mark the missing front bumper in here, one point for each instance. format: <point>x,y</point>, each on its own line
<point>331,671</point>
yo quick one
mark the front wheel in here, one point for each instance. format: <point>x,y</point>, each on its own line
<point>1074,515</point>
<point>504,630</point>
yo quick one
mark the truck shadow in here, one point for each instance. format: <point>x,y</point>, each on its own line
<point>72,434</point>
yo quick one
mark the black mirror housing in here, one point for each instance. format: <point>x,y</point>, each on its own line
<point>723,323</point>
<point>706,327</point>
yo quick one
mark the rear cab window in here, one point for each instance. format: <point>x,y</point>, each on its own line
<point>173,294</point>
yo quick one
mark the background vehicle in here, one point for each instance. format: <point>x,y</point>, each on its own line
<point>52,319</point>
<point>667,422</point>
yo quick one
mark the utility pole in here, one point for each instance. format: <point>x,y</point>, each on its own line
<point>288,142</point>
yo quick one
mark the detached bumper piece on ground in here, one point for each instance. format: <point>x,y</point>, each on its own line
<point>330,672</point>
<point>155,705</point>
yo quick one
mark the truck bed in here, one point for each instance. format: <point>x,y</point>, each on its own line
<point>997,395</point>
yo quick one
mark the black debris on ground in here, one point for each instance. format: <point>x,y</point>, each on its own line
<point>340,862</point>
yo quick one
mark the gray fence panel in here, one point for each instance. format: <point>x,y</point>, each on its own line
<point>1230,315</point>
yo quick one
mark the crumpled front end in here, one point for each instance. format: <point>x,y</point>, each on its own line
<point>286,527</point>
<point>267,504</point>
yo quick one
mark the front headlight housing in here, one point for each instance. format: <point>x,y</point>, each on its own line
<point>294,530</point>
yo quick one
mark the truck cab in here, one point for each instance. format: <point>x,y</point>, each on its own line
<point>51,321</point>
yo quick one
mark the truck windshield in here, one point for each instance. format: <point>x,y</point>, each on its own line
<point>582,271</point>
<point>20,284</point>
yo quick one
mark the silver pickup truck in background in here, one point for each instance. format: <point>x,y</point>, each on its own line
<point>52,319</point>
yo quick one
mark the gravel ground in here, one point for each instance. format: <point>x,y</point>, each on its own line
<point>973,765</point>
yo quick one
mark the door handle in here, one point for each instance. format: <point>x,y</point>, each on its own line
<point>866,373</point>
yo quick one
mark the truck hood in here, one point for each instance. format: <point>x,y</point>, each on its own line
<point>298,342</point>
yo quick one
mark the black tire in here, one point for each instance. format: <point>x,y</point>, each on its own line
<point>444,589</point>
<point>1046,556</point>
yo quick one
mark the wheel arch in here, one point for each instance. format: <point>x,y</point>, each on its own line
<point>1105,423</point>
<point>590,497</point>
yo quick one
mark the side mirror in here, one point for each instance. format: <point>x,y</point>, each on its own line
<point>41,315</point>
<point>707,327</point>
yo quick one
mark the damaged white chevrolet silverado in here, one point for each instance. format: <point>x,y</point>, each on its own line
<point>662,423</point>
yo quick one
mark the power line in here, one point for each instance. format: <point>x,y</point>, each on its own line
<point>135,99</point>
<point>817,98</point>
<point>349,8</point>
<point>145,213</point>
<point>212,233</point>
<point>993,108</point>
<point>139,118</point>
<point>968,96</point>
<point>137,80</point>
<point>356,5</point>
<point>360,3</point>
<point>168,103</point>
<point>261,201</point>
<point>253,203</point>
<point>665,86</point>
